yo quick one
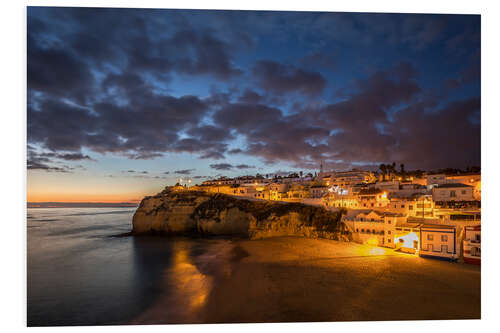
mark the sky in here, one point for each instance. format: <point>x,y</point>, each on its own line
<point>122,102</point>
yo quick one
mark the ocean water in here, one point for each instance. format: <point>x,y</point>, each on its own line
<point>78,273</point>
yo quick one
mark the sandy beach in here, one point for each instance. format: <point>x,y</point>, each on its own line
<point>298,279</point>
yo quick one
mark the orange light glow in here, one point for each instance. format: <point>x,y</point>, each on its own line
<point>372,241</point>
<point>377,251</point>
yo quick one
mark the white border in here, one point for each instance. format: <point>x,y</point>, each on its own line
<point>13,244</point>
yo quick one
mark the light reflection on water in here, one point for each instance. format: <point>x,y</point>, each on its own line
<point>78,275</point>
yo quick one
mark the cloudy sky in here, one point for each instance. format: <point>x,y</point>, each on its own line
<point>122,102</point>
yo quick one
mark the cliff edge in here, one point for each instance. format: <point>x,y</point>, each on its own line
<point>184,212</point>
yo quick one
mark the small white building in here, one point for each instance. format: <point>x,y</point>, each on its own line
<point>438,240</point>
<point>452,192</point>
<point>372,227</point>
<point>472,244</point>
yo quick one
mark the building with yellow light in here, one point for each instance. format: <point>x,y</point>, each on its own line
<point>373,227</point>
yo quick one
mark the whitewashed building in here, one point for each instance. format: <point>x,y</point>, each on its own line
<point>472,244</point>
<point>452,192</point>
<point>437,240</point>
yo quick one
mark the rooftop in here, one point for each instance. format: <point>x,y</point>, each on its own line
<point>437,226</point>
<point>452,185</point>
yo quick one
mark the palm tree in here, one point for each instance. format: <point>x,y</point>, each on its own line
<point>383,169</point>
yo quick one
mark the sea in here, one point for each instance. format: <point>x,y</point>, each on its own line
<point>82,270</point>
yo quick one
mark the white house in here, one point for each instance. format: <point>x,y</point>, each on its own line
<point>472,244</point>
<point>453,192</point>
<point>372,227</point>
<point>437,240</point>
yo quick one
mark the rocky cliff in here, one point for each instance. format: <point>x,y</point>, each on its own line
<point>178,212</point>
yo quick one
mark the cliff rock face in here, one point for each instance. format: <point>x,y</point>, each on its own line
<point>178,212</point>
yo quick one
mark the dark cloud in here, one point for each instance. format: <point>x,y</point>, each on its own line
<point>359,131</point>
<point>244,166</point>
<point>250,97</point>
<point>282,79</point>
<point>37,161</point>
<point>184,171</point>
<point>99,80</point>
<point>235,151</point>
<point>34,164</point>
<point>221,166</point>
<point>68,156</point>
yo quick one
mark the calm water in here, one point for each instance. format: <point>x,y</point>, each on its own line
<point>78,274</point>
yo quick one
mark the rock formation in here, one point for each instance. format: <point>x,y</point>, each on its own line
<point>180,212</point>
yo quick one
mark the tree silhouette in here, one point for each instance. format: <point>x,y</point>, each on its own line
<point>383,169</point>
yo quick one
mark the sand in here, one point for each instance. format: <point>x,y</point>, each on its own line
<point>291,279</point>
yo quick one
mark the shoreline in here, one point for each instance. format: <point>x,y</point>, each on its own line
<point>296,279</point>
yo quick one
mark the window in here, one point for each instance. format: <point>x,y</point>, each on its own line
<point>453,194</point>
<point>410,207</point>
<point>373,230</point>
<point>430,237</point>
<point>389,232</point>
<point>402,206</point>
<point>444,238</point>
<point>463,191</point>
<point>357,230</point>
<point>475,251</point>
<point>362,230</point>
<point>388,240</point>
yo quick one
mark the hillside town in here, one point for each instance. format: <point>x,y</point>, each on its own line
<point>435,214</point>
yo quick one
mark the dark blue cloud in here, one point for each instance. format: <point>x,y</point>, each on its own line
<point>293,87</point>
